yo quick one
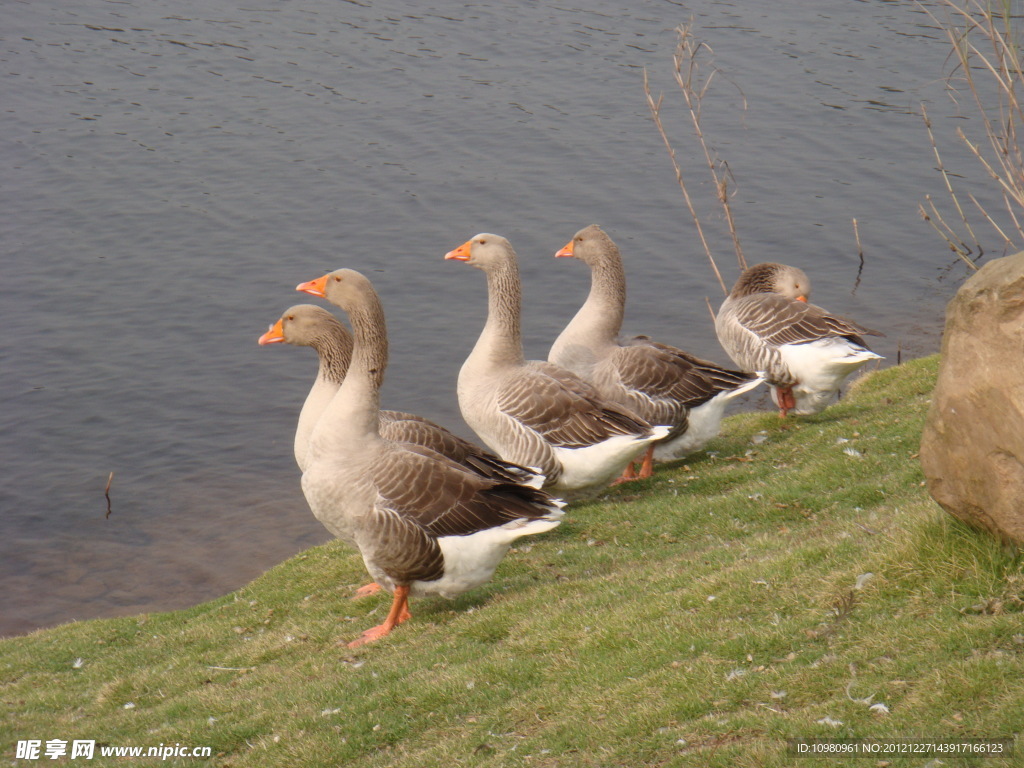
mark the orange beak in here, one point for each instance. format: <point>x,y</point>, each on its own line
<point>461,253</point>
<point>314,287</point>
<point>566,250</point>
<point>802,298</point>
<point>274,334</point>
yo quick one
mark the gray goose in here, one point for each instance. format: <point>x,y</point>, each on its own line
<point>536,413</point>
<point>807,353</point>
<point>423,524</point>
<point>308,325</point>
<point>661,383</point>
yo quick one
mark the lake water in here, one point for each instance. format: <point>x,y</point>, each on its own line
<point>170,170</point>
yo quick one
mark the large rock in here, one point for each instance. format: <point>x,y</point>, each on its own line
<point>972,449</point>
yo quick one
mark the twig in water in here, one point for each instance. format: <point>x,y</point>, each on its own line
<point>860,253</point>
<point>958,246</point>
<point>106,492</point>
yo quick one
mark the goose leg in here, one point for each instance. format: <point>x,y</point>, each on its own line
<point>399,612</point>
<point>647,466</point>
<point>628,474</point>
<point>786,401</point>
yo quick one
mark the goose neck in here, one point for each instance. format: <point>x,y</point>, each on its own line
<point>594,329</point>
<point>502,336</point>
<point>354,410</point>
<point>335,353</point>
<point>606,301</point>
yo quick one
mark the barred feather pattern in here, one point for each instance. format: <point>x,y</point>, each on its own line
<point>763,313</point>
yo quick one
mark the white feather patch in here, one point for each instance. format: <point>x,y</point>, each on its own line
<point>704,422</point>
<point>599,464</point>
<point>820,368</point>
<point>470,561</point>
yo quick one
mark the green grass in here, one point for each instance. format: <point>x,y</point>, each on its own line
<point>701,617</point>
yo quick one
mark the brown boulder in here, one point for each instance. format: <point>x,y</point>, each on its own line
<point>972,448</point>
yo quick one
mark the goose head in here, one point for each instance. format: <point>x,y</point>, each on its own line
<point>484,251</point>
<point>590,245</point>
<point>302,325</point>
<point>345,288</point>
<point>770,277</point>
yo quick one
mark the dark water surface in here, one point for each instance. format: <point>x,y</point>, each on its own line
<point>170,170</point>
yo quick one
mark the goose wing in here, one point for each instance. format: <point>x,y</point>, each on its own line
<point>402,427</point>
<point>567,411</point>
<point>779,320</point>
<point>667,374</point>
<point>440,497</point>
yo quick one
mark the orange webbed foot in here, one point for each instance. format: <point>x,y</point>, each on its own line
<point>628,474</point>
<point>399,612</point>
<point>367,589</point>
<point>372,634</point>
<point>631,473</point>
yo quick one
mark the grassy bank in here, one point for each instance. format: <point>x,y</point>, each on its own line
<point>777,587</point>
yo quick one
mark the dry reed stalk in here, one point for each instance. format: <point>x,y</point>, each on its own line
<point>655,106</point>
<point>958,246</point>
<point>688,50</point>
<point>991,221</point>
<point>998,57</point>
<point>694,86</point>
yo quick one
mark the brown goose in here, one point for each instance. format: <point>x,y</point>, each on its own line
<point>423,524</point>
<point>766,324</point>
<point>308,325</point>
<point>536,413</point>
<point>661,383</point>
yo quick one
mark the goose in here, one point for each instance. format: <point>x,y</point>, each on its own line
<point>766,324</point>
<point>311,326</point>
<point>423,524</point>
<point>661,383</point>
<point>534,412</point>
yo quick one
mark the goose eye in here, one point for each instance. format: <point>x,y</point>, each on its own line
<point>337,278</point>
